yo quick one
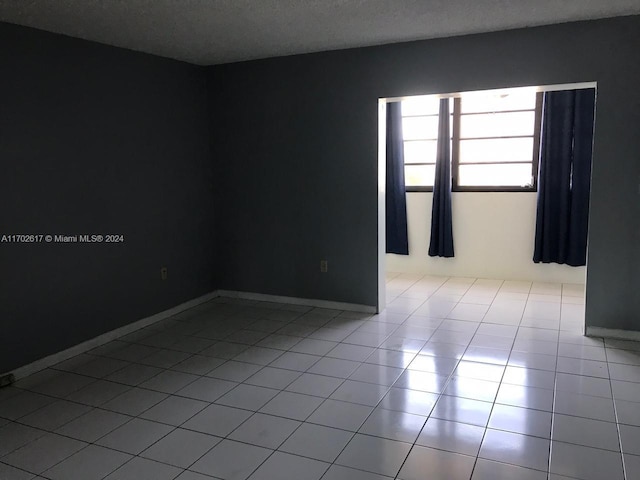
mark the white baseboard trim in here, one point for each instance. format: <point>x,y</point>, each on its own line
<point>352,307</point>
<point>613,333</point>
<point>58,357</point>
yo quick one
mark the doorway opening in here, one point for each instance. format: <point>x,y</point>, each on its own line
<point>495,140</point>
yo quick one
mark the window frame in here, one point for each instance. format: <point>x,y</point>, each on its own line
<point>455,156</point>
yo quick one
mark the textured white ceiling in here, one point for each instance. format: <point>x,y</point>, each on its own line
<point>210,32</point>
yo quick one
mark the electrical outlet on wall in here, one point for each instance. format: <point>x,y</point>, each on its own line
<point>324,266</point>
<point>164,273</point>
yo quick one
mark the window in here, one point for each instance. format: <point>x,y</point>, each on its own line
<point>495,140</point>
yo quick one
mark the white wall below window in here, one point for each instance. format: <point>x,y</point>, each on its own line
<point>493,237</point>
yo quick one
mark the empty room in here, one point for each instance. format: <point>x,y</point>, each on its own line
<point>337,240</point>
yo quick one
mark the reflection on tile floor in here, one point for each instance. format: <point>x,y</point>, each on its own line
<point>458,379</point>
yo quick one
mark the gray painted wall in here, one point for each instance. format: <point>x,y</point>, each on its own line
<point>95,139</point>
<point>295,152</point>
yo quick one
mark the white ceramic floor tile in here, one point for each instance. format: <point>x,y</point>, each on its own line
<point>135,436</point>
<point>586,463</point>
<point>347,416</point>
<point>583,352</point>
<point>207,389</point>
<point>632,466</point>
<point>533,360</point>
<point>198,365</point>
<point>98,393</point>
<point>313,346</point>
<point>169,381</point>
<point>481,354</point>
<point>451,436</point>
<point>174,410</point>
<point>317,442</point>
<point>290,467</point>
<point>181,448</point>
<point>378,374</point>
<point>270,377</point>
<point>217,420</point>
<point>628,412</point>
<point>490,470</point>
<point>391,358</point>
<point>55,415</point>
<point>529,377</point>
<point>192,344</point>
<point>463,410</point>
<point>59,384</point>
<point>576,366</point>
<point>402,344</point>
<point>224,350</point>
<point>144,469</point>
<point>472,388</point>
<point>623,356</point>
<point>164,358</point>
<point>503,342</point>
<point>100,367</point>
<point>515,449</point>
<point>627,391</point>
<point>279,342</point>
<point>526,421</point>
<point>359,392</point>
<point>432,364</point>
<point>265,430</point>
<point>91,463</point>
<point>492,342</point>
<point>597,387</point>
<point>248,397</point>
<point>423,381</point>
<point>134,374</point>
<point>414,332</point>
<point>480,371</point>
<point>535,346</point>
<point>526,397</point>
<point>23,404</point>
<point>292,405</point>
<point>373,454</point>
<point>12,473</point>
<point>231,460</point>
<point>134,401</point>
<point>43,453</point>
<point>14,436</point>
<point>316,385</point>
<point>441,465</point>
<point>93,425</point>
<point>234,371</point>
<point>338,472</point>
<point>188,475</point>
<point>586,432</point>
<point>393,425</point>
<point>630,438</point>
<point>330,334</point>
<point>300,362</point>
<point>410,401</point>
<point>626,373</point>
<point>444,350</point>
<point>586,406</point>
<point>334,367</point>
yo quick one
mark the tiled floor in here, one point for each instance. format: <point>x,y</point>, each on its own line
<point>458,379</point>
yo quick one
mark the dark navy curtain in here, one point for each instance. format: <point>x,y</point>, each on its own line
<point>564,177</point>
<point>396,201</point>
<point>441,244</point>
